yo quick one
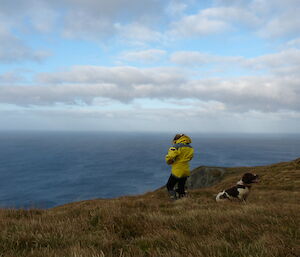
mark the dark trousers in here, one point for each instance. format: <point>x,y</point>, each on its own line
<point>173,181</point>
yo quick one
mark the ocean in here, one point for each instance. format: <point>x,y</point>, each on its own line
<point>47,169</point>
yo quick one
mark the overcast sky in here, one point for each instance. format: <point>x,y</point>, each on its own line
<point>150,65</point>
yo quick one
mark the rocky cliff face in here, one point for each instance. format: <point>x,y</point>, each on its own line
<point>204,177</point>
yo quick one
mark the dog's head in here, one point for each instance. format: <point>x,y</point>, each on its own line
<point>249,178</point>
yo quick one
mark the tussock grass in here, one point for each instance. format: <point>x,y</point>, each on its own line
<point>153,226</point>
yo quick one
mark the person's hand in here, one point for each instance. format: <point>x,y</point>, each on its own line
<point>170,161</point>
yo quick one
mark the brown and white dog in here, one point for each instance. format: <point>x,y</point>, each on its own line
<point>240,191</point>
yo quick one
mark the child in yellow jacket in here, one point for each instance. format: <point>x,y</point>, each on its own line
<point>179,156</point>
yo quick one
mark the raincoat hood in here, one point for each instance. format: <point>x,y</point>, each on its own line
<point>183,140</point>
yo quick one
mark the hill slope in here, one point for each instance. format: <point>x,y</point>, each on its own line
<point>151,225</point>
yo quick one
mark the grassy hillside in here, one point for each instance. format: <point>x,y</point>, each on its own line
<point>152,225</point>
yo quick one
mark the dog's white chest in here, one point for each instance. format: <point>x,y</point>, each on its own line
<point>243,192</point>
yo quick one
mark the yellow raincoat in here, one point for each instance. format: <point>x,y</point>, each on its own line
<point>179,156</point>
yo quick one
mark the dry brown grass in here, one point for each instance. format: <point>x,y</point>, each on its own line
<point>152,225</point>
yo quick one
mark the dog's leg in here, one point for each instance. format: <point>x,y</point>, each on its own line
<point>222,196</point>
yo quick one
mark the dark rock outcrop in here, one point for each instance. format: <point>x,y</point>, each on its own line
<point>204,177</point>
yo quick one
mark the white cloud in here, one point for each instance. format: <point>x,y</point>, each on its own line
<point>12,77</point>
<point>176,8</point>
<point>233,14</point>
<point>98,19</point>
<point>13,49</point>
<point>285,62</point>
<point>143,56</point>
<point>214,20</point>
<point>265,93</point>
<point>287,24</point>
<point>122,75</point>
<point>274,19</point>
<point>195,58</point>
<point>85,84</point>
<point>88,20</point>
<point>197,25</point>
<point>151,25</point>
<point>191,58</point>
<point>152,20</point>
<point>138,34</point>
<point>39,15</point>
<point>193,118</point>
<point>294,43</point>
<point>279,18</point>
